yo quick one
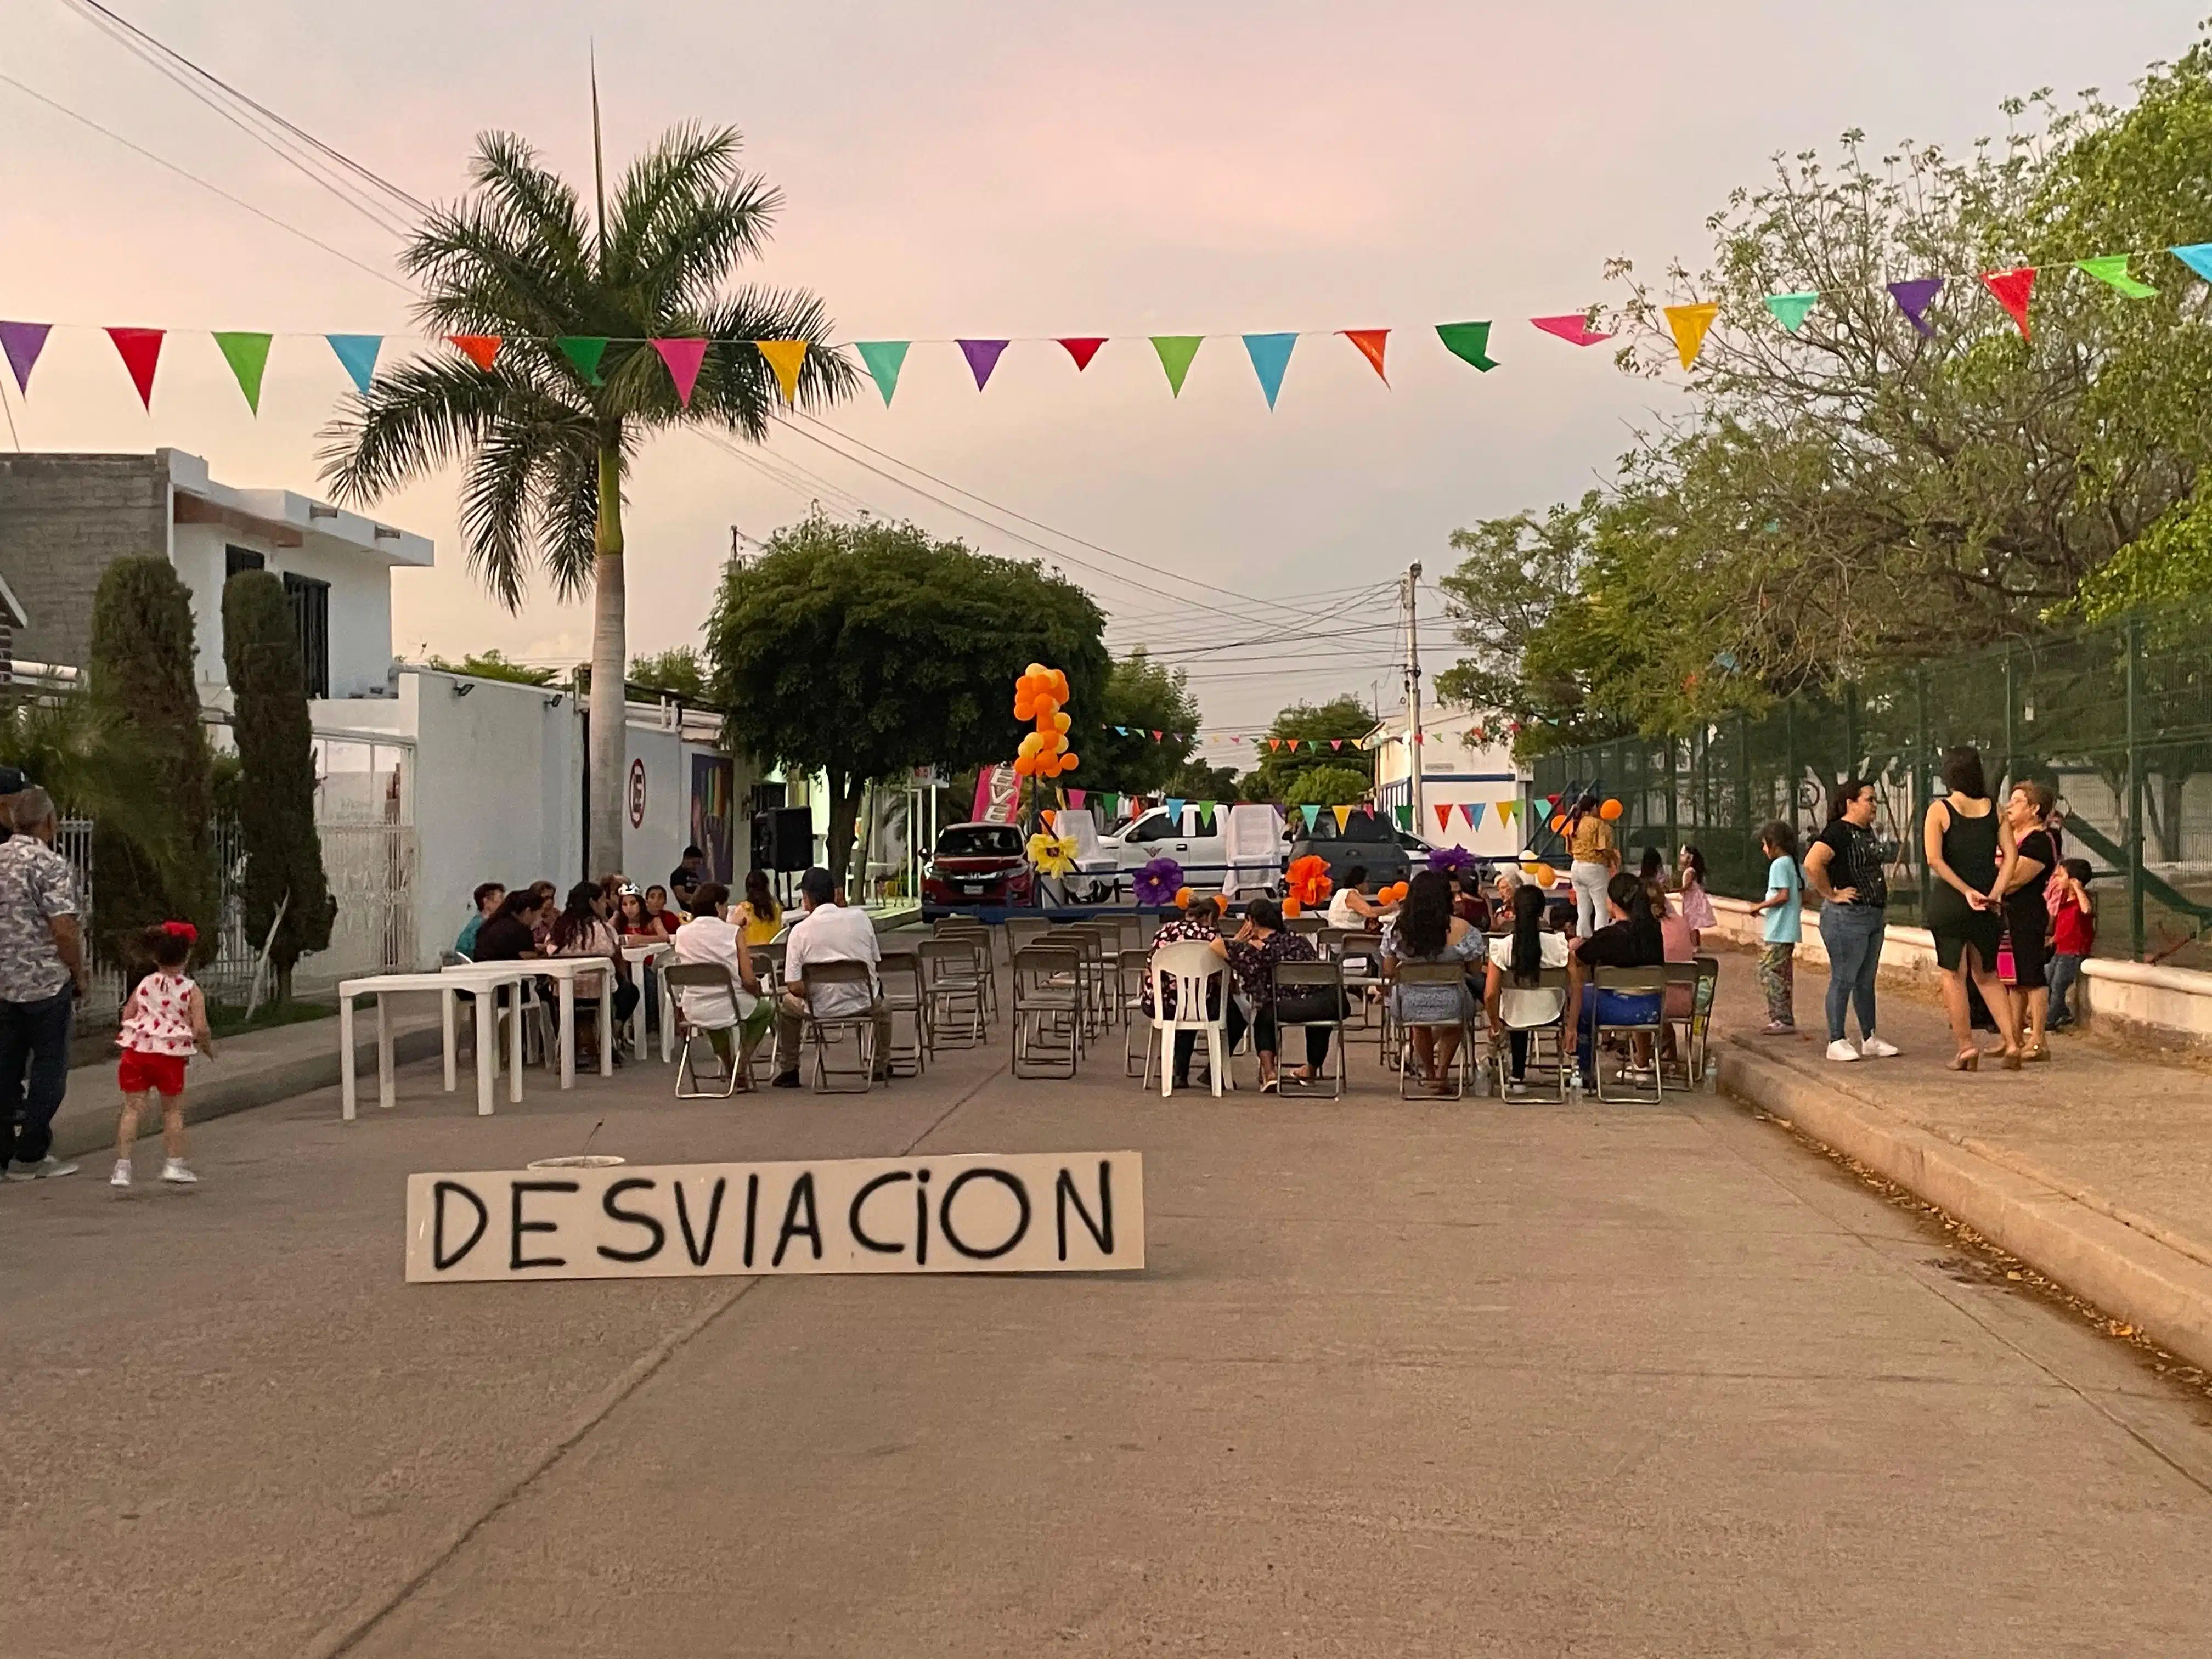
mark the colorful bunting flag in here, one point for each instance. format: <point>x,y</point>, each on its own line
<point>1370,341</point>
<point>1156,737</point>
<point>1271,356</point>
<point>2197,255</point>
<point>1293,743</point>
<point>1336,743</point>
<point>1574,328</point>
<point>141,351</point>
<point>1083,349</point>
<point>23,342</point>
<point>1469,343</point>
<point>1789,309</point>
<point>982,358</point>
<point>1343,816</point>
<point>1474,814</point>
<point>584,350</point>
<point>357,353</point>
<point>248,356</point>
<point>1404,813</point>
<point>2112,268</point>
<point>785,357</point>
<point>2012,288</point>
<point>884,358</point>
<point>1205,809</point>
<point>1505,809</point>
<point>1075,798</point>
<point>482,350</point>
<point>1312,815</point>
<point>1688,325</point>
<point>1175,352</point>
<point>1443,817</point>
<point>1913,299</point>
<point>1122,731</point>
<point>1175,812</point>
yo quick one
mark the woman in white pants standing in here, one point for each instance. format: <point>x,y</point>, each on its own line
<point>1593,860</point>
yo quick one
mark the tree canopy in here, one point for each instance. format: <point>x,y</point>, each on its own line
<point>1328,785</point>
<point>1315,727</point>
<point>863,650</point>
<point>677,671</point>
<point>1147,697</point>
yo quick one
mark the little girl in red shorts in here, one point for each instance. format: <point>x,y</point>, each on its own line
<point>164,1022</point>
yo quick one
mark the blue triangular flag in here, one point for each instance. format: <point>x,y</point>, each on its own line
<point>1474,814</point>
<point>1122,730</point>
<point>1312,813</point>
<point>1175,812</point>
<point>358,353</point>
<point>2197,255</point>
<point>1271,356</point>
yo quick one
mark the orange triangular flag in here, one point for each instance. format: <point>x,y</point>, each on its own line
<point>482,349</point>
<point>1370,341</point>
<point>1294,746</point>
<point>2012,288</point>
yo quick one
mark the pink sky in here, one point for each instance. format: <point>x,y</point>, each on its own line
<point>1009,170</point>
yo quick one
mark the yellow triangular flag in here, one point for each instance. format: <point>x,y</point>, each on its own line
<point>1343,813</point>
<point>785,357</point>
<point>1689,323</point>
<point>1505,811</point>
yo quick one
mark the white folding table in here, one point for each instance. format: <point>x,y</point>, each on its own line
<point>638,956</point>
<point>485,979</point>
<point>564,972</point>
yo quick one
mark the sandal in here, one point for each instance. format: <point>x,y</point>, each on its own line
<point>2010,1060</point>
<point>2038,1053</point>
<point>1966,1060</point>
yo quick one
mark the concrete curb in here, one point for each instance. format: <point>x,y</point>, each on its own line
<point>2165,1293</point>
<point>80,1133</point>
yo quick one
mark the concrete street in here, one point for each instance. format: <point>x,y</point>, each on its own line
<point>1402,1378</point>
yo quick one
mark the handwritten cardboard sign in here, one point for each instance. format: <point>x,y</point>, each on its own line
<point>976,1212</point>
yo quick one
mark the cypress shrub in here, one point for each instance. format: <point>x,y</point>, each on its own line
<point>277,773</point>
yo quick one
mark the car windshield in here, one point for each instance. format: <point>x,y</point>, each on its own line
<point>1359,827</point>
<point>980,840</point>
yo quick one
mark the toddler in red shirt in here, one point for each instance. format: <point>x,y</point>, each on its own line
<point>163,1022</point>
<point>2073,935</point>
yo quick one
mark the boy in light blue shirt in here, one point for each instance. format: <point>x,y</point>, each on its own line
<point>1781,924</point>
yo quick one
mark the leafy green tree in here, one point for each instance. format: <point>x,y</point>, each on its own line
<point>140,660</point>
<point>1329,786</point>
<point>677,671</point>
<point>1147,697</point>
<point>276,776</point>
<point>546,435</point>
<point>1195,780</point>
<point>1326,735</point>
<point>863,650</point>
<point>495,666</point>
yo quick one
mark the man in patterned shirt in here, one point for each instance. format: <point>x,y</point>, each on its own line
<point>42,973</point>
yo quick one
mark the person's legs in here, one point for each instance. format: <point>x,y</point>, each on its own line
<point>173,1127</point>
<point>1848,930</point>
<point>1317,1049</point>
<point>2035,1005</point>
<point>1447,1049</point>
<point>790,1033</point>
<point>1777,976</point>
<point>127,1127</point>
<point>1587,878</point>
<point>626,996</point>
<point>1185,1042</point>
<point>46,1078</point>
<point>2062,974</point>
<point>880,1012</point>
<point>15,1053</point>
<point>1517,1041</point>
<point>1425,1049</point>
<point>1265,1040</point>
<point>1955,1008</point>
<point>1995,993</point>
<point>1869,971</point>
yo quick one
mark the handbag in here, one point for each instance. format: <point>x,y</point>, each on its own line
<point>1300,1005</point>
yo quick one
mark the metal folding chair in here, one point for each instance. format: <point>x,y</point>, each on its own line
<point>953,989</point>
<point>1309,926</point>
<point>1021,931</point>
<point>1435,973</point>
<point>1049,1010</point>
<point>1129,986</point>
<point>1691,1031</point>
<point>822,1029</point>
<point>904,994</point>
<point>1563,1045</point>
<point>1306,976</point>
<point>1631,981</point>
<point>680,976</point>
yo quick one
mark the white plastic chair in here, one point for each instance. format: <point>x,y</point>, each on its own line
<point>1198,979</point>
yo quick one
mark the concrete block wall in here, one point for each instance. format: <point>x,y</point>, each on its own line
<point>64,520</point>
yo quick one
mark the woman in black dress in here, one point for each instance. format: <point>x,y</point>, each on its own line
<point>2027,812</point>
<point>1970,852</point>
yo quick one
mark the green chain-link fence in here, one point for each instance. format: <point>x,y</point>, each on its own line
<point>2117,719</point>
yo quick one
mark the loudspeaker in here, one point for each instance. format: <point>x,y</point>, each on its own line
<point>783,839</point>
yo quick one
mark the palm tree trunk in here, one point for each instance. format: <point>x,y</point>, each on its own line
<point>610,777</point>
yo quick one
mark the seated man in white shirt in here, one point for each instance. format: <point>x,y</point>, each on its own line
<point>829,932</point>
<point>711,937</point>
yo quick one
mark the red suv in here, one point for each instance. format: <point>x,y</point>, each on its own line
<point>977,864</point>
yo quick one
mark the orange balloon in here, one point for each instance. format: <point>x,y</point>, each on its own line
<point>1047,707</point>
<point>1062,722</point>
<point>1610,810</point>
<point>1059,685</point>
<point>1557,823</point>
<point>1068,762</point>
<point>1183,898</point>
<point>1021,766</point>
<point>1292,907</point>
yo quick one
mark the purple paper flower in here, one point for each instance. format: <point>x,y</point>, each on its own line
<point>1159,882</point>
<point>1451,860</point>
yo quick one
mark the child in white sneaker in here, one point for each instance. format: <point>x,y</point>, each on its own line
<point>165,1020</point>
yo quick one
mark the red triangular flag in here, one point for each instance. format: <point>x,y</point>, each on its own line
<point>2012,288</point>
<point>482,349</point>
<point>1443,817</point>
<point>1294,746</point>
<point>140,349</point>
<point>1083,348</point>
<point>683,358</point>
<point>1370,341</point>
<point>1274,743</point>
<point>1156,737</point>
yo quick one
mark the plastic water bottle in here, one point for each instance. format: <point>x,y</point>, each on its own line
<point>1575,1087</point>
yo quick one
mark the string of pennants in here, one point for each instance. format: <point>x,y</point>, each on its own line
<point>1310,745</point>
<point>1471,813</point>
<point>247,352</point>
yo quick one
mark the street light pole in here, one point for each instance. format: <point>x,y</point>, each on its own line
<point>1413,696</point>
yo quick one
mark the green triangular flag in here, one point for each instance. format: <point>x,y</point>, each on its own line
<point>1404,815</point>
<point>247,356</point>
<point>2113,270</point>
<point>1175,352</point>
<point>1469,342</point>
<point>1311,812</point>
<point>1789,309</point>
<point>584,350</point>
<point>885,358</point>
<point>1205,809</point>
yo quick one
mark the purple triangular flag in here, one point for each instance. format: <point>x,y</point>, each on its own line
<point>23,342</point>
<point>982,358</point>
<point>1913,299</point>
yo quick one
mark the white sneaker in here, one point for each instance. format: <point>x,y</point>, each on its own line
<point>1841,1049</point>
<point>174,1170</point>
<point>1875,1048</point>
<point>122,1175</point>
<point>48,1168</point>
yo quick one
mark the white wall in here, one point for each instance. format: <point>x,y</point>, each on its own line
<point>650,850</point>
<point>1454,772</point>
<point>360,602</point>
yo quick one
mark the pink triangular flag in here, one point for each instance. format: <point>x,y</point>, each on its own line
<point>1574,329</point>
<point>683,358</point>
<point>141,351</point>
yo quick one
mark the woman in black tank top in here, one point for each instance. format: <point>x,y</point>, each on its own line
<point>1970,860</point>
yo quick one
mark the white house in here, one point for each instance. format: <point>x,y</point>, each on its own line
<point>1463,781</point>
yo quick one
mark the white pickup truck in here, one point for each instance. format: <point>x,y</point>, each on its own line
<point>1153,834</point>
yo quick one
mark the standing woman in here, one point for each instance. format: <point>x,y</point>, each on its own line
<point>2027,913</point>
<point>1971,855</point>
<point>1843,865</point>
<point>1593,859</point>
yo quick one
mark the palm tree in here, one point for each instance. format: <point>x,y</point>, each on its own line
<point>546,433</point>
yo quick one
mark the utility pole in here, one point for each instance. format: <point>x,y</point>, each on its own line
<point>1413,696</point>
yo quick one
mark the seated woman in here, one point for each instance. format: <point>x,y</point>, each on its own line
<point>658,907</point>
<point>760,916</point>
<point>1200,923</point>
<point>1262,943</point>
<point>1513,995</point>
<point>712,937</point>
<point>1350,906</point>
<point>1426,930</point>
<point>582,930</point>
<point>1632,938</point>
<point>510,933</point>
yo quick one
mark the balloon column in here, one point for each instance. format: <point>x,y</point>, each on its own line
<point>1038,696</point>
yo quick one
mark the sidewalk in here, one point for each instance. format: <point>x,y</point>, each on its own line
<point>2095,1168</point>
